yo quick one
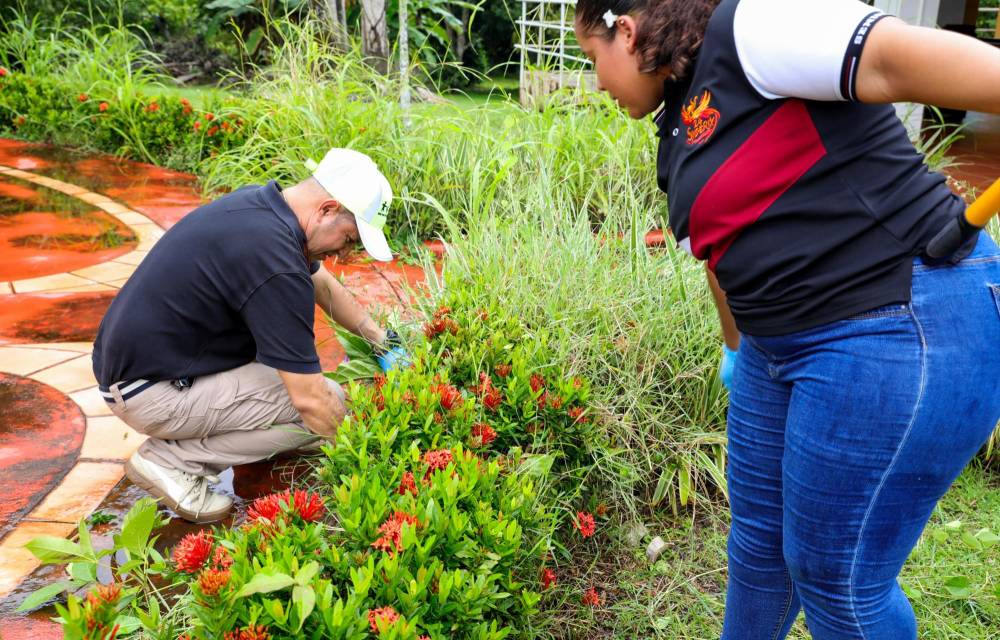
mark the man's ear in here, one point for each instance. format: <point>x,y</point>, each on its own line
<point>330,208</point>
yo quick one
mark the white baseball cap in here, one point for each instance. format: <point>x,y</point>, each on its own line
<point>354,179</point>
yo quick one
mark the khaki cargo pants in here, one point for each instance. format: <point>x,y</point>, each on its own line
<point>225,419</point>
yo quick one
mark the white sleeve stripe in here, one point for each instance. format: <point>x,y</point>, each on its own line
<point>849,76</point>
<point>802,48</point>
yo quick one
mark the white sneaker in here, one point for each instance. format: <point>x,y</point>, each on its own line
<point>185,493</point>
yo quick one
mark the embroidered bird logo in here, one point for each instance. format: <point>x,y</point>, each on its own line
<point>700,119</point>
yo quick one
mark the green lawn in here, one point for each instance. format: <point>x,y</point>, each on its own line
<point>681,596</point>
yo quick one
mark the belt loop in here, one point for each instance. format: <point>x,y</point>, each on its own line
<point>116,392</point>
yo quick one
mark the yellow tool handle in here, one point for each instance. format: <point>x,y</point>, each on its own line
<point>985,206</point>
<point>966,225</point>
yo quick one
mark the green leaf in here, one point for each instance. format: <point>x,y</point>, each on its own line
<point>85,571</point>
<point>958,586</point>
<point>911,592</point>
<point>51,550</point>
<point>971,541</point>
<point>987,538</point>
<point>43,595</point>
<point>137,527</point>
<point>84,539</point>
<point>304,599</point>
<point>265,583</point>
<point>307,573</point>
<point>940,536</point>
<point>663,484</point>
<point>954,525</point>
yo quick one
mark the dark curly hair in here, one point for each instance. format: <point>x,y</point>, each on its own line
<point>670,32</point>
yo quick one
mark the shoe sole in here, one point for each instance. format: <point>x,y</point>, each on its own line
<point>150,487</point>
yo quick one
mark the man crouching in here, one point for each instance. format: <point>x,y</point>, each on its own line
<point>209,348</point>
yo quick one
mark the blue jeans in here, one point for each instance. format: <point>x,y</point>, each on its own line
<point>842,439</point>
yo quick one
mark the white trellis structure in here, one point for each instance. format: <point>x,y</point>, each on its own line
<point>550,56</point>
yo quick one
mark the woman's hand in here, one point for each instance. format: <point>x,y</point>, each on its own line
<point>904,63</point>
<point>727,366</point>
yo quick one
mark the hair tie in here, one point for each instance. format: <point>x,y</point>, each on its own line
<point>609,19</point>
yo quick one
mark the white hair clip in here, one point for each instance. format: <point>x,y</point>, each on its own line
<point>609,19</point>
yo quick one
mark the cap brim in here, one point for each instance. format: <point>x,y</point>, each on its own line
<point>374,241</point>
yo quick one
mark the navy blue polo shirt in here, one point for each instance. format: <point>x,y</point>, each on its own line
<point>228,284</point>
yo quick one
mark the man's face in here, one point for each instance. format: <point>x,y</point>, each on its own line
<point>331,231</point>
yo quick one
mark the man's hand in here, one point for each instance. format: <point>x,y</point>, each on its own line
<point>321,408</point>
<point>391,353</point>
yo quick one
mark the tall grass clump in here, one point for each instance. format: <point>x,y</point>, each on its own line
<point>314,97</point>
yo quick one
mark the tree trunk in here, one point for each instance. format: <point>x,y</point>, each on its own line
<point>461,42</point>
<point>374,35</point>
<point>404,61</point>
<point>333,10</point>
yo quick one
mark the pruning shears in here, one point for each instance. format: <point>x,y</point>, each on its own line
<point>973,220</point>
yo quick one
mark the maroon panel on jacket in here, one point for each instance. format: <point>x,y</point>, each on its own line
<point>764,167</point>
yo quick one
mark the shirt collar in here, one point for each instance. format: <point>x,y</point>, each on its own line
<point>271,192</point>
<point>674,93</point>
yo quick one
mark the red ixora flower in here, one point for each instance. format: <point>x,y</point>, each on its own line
<point>3,72</point>
<point>407,484</point>
<point>192,551</point>
<point>211,581</point>
<point>20,120</point>
<point>451,398</point>
<point>493,399</point>
<point>591,598</point>
<point>308,506</point>
<point>543,400</point>
<point>221,558</point>
<point>152,107</point>
<point>209,116</point>
<point>537,383</point>
<point>197,125</point>
<point>585,523</point>
<point>438,460</point>
<point>548,578</point>
<point>83,97</point>
<point>185,102</point>
<point>212,131</point>
<point>385,616</point>
<point>576,413</point>
<point>104,594</point>
<point>248,633</point>
<point>440,323</point>
<point>391,539</point>
<point>102,107</point>
<point>503,370</point>
<point>483,434</point>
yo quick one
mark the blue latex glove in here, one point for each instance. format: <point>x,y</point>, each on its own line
<point>396,357</point>
<point>727,366</point>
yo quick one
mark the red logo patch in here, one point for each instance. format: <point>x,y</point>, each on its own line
<point>700,119</point>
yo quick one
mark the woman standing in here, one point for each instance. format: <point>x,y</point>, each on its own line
<point>866,377</point>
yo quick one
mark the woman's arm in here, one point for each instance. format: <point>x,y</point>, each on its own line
<point>730,333</point>
<point>903,63</point>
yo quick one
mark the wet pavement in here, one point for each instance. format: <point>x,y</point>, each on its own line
<point>72,229</point>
